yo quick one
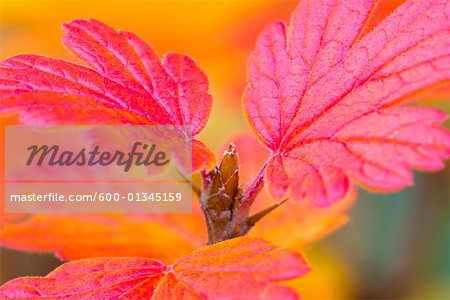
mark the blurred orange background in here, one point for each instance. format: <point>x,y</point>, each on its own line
<point>219,35</point>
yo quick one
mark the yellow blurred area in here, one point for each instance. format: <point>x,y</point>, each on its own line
<point>329,278</point>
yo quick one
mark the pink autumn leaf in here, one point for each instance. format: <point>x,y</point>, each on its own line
<point>329,103</point>
<point>242,268</point>
<point>126,83</point>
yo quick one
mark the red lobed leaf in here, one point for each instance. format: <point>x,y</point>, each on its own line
<point>326,101</point>
<point>127,84</point>
<point>294,224</point>
<point>220,271</point>
<point>176,85</point>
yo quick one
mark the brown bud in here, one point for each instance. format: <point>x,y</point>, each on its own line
<point>225,206</point>
<point>229,170</point>
<point>225,182</point>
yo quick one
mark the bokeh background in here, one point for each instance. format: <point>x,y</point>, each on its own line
<point>396,246</point>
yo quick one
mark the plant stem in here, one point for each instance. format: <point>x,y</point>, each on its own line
<point>224,204</point>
